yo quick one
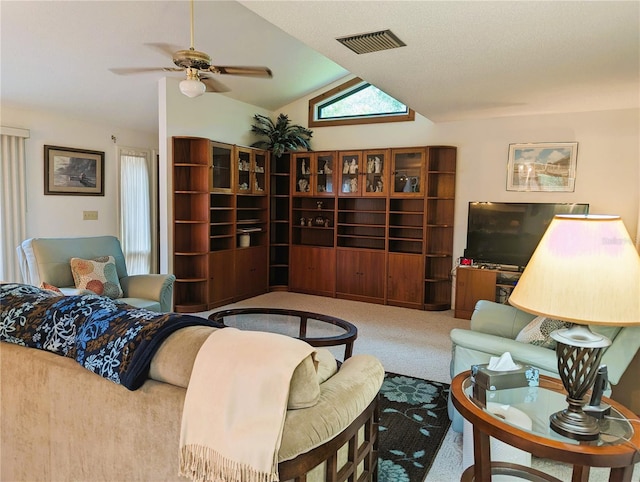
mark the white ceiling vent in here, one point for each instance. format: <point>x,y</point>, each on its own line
<point>365,43</point>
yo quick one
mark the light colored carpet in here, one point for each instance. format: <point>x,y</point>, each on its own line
<point>409,342</point>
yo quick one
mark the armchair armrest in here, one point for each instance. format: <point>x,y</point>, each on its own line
<point>500,320</point>
<point>482,347</point>
<point>158,287</point>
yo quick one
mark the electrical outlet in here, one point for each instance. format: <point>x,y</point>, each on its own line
<point>89,215</point>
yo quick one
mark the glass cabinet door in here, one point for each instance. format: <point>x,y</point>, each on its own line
<point>350,179</point>
<point>408,172</point>
<point>259,172</point>
<point>325,173</point>
<point>302,174</point>
<point>243,184</point>
<point>221,171</point>
<point>375,169</point>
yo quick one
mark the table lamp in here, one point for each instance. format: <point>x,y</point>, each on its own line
<point>585,270</point>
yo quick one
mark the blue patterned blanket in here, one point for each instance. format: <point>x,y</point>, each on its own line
<point>114,340</point>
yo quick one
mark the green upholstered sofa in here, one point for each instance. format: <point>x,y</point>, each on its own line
<point>493,330</point>
<point>62,422</point>
<point>48,260</point>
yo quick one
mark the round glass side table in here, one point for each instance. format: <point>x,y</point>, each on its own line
<point>615,448</point>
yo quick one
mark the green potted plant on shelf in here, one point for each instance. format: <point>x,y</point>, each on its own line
<point>281,135</point>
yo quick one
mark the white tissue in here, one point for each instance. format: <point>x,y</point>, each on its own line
<point>503,363</point>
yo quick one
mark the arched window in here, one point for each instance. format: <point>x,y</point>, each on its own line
<point>356,102</point>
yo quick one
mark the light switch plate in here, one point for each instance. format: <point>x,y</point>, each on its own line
<point>89,215</point>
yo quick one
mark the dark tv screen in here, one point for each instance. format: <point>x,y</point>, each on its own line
<point>508,233</point>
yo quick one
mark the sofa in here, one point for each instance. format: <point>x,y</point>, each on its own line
<point>61,422</point>
<point>47,260</point>
<point>493,330</point>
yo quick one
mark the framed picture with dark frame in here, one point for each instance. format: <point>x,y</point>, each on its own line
<point>73,172</point>
<point>542,166</point>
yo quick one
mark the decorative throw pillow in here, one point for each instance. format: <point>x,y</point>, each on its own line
<point>49,287</point>
<point>98,275</point>
<point>538,331</point>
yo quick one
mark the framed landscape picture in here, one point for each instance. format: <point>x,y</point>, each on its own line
<point>542,166</point>
<point>69,171</point>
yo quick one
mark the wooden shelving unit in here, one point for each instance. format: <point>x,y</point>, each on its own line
<point>392,245</point>
<point>191,222</point>
<point>280,209</point>
<point>215,202</point>
<point>439,212</point>
<point>372,225</point>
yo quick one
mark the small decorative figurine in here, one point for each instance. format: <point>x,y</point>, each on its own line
<point>353,167</point>
<point>377,165</point>
<point>354,184</point>
<point>345,168</point>
<point>303,221</point>
<point>370,165</point>
<point>303,185</point>
<point>379,186</point>
<point>327,169</point>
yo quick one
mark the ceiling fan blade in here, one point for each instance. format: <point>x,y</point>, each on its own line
<point>241,70</point>
<point>144,70</point>
<point>213,85</point>
<point>164,49</point>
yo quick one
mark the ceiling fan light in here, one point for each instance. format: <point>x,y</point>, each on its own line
<point>192,87</point>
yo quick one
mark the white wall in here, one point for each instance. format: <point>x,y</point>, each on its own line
<point>608,162</point>
<point>61,216</point>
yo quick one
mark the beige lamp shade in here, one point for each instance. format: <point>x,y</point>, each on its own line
<point>585,270</point>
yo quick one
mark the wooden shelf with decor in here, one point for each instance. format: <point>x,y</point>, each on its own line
<point>221,229</point>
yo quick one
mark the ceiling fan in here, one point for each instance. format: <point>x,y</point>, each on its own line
<point>198,68</point>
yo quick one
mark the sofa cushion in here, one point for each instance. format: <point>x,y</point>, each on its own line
<point>174,361</point>
<point>98,275</point>
<point>538,331</point>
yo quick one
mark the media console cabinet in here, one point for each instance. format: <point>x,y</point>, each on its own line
<point>481,283</point>
<point>370,225</point>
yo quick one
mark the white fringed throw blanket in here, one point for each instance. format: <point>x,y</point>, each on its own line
<point>235,406</point>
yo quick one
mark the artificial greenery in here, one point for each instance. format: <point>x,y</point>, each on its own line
<point>281,135</point>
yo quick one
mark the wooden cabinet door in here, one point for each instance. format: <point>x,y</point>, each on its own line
<point>222,278</point>
<point>473,284</point>
<point>408,172</point>
<point>360,274</point>
<point>404,280</point>
<point>251,271</point>
<point>312,270</point>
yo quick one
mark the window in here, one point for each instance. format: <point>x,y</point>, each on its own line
<point>136,210</point>
<point>356,102</point>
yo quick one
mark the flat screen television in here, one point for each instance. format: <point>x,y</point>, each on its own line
<point>507,234</point>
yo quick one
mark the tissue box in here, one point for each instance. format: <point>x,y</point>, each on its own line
<point>491,380</point>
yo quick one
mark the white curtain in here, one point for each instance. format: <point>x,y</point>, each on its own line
<point>13,200</point>
<point>135,210</point>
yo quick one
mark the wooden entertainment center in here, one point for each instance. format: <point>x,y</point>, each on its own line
<point>475,283</point>
<point>370,225</point>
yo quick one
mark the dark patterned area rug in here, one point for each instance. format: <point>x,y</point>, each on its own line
<point>413,423</point>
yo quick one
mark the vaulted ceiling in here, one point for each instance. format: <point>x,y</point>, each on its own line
<point>462,59</point>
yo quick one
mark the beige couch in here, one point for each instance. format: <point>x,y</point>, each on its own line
<point>48,260</point>
<point>60,422</point>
